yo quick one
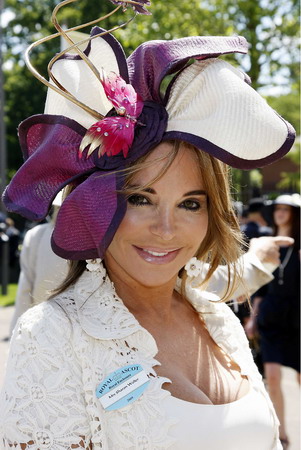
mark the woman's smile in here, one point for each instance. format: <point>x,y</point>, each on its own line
<point>157,256</point>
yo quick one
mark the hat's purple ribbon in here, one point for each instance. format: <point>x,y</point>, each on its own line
<point>50,148</point>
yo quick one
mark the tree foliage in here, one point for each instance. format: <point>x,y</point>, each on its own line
<point>288,106</point>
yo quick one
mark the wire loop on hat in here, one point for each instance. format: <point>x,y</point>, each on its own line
<point>57,86</point>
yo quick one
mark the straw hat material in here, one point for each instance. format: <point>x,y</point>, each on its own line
<point>211,100</point>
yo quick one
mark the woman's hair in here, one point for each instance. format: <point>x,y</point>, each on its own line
<point>294,226</point>
<point>223,241</point>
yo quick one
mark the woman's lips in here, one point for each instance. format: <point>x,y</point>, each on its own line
<point>157,256</point>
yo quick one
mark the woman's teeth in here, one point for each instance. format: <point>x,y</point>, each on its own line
<point>154,253</point>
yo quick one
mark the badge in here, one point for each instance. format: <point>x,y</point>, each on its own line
<point>122,387</point>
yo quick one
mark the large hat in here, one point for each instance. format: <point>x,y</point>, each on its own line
<point>121,115</point>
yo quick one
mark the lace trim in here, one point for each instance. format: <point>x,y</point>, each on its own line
<point>101,312</point>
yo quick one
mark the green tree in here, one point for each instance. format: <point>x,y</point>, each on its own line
<point>288,106</point>
<point>272,29</point>
<point>290,181</point>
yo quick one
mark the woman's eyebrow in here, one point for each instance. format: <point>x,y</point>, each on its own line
<point>197,192</point>
<point>137,187</point>
<point>187,194</point>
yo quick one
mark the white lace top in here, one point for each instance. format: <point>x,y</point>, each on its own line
<point>63,348</point>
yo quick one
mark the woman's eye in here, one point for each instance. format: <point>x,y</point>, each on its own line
<point>191,205</point>
<point>138,200</point>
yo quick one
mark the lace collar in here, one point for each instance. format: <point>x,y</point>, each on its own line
<point>103,315</point>
<point>97,301</point>
<point>101,312</point>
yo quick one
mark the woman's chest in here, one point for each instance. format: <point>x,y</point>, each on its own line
<point>199,371</point>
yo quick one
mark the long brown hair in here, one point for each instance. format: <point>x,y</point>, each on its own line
<point>223,241</point>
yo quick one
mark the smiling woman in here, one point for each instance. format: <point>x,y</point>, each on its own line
<point>131,352</point>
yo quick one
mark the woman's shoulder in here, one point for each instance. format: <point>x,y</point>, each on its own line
<point>85,306</point>
<point>53,316</point>
<point>43,339</point>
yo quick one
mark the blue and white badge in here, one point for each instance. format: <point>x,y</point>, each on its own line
<point>122,387</point>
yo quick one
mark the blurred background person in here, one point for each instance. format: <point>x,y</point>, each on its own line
<point>256,224</point>
<point>276,313</point>
<point>253,225</point>
<point>41,269</point>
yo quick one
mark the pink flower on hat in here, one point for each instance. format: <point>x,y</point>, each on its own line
<point>113,135</point>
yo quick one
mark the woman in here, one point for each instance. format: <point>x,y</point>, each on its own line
<point>130,353</point>
<point>279,309</point>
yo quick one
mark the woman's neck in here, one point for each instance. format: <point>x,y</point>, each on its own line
<point>284,230</point>
<point>144,300</point>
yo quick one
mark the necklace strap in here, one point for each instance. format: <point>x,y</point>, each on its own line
<point>283,264</point>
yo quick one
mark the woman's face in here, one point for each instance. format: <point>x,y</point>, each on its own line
<point>164,224</point>
<point>282,215</point>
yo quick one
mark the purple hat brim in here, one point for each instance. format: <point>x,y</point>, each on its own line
<point>228,158</point>
<point>166,57</point>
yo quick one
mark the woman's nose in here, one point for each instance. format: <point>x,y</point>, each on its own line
<point>164,225</point>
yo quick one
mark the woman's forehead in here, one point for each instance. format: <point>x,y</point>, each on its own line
<point>182,164</point>
<point>283,206</point>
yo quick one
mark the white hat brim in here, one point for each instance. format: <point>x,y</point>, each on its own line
<point>74,74</point>
<point>211,106</point>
